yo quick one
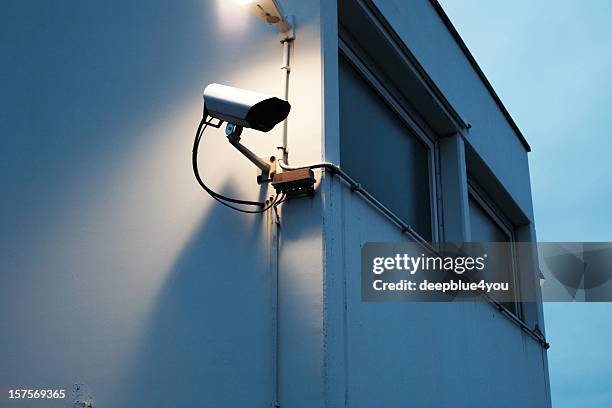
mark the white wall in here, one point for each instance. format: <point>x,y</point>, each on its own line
<point>118,272</point>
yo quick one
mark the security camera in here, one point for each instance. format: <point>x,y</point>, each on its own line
<point>241,108</point>
<point>244,108</point>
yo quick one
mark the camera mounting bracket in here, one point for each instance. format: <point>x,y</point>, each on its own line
<point>267,168</point>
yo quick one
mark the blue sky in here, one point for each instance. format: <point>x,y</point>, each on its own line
<point>551,64</point>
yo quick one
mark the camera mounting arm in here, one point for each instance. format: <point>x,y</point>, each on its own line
<point>233,133</point>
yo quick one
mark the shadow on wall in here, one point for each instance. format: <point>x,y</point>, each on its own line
<point>210,334</point>
<point>211,326</point>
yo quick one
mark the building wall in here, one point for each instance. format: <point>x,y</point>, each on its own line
<point>121,278</point>
<point>118,272</point>
<point>429,355</point>
<point>424,354</point>
<point>425,34</point>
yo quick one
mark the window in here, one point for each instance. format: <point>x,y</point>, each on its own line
<point>379,150</point>
<point>487,224</point>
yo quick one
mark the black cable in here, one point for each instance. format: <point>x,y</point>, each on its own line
<point>282,200</point>
<point>194,160</point>
<point>219,197</point>
<point>272,203</point>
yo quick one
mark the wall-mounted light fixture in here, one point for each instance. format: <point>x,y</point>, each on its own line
<point>269,11</point>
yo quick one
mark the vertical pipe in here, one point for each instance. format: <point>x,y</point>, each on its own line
<point>287,42</point>
<point>274,224</point>
<point>286,69</point>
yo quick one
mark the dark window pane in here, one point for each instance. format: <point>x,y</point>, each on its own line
<point>378,150</point>
<point>485,229</point>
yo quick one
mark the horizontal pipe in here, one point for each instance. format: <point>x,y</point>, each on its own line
<point>356,187</point>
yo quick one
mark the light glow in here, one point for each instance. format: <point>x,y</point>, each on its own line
<point>242,2</point>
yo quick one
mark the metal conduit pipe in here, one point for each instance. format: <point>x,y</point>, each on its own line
<point>356,187</point>
<point>405,228</point>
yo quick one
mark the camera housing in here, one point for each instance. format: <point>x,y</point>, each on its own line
<point>249,109</point>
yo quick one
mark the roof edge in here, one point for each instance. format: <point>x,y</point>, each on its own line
<point>449,25</point>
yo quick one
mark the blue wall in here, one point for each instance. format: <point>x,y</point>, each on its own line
<point>118,272</point>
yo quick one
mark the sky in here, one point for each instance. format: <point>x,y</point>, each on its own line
<point>550,62</point>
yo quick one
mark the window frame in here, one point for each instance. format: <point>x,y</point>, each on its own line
<point>478,194</point>
<point>374,78</point>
